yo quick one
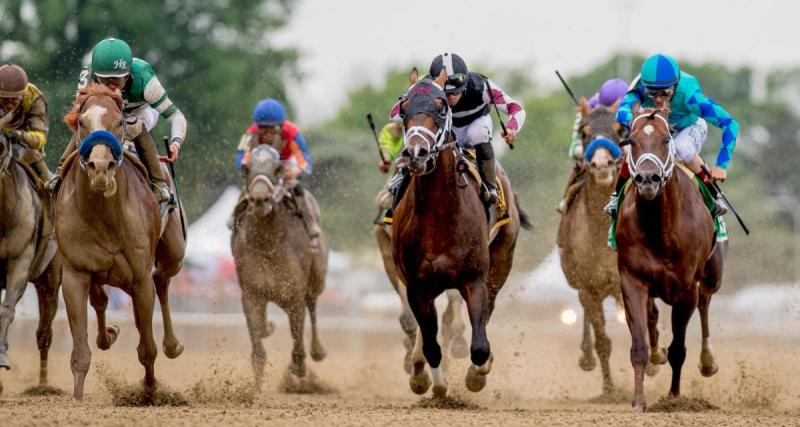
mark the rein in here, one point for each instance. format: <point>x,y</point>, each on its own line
<point>665,168</point>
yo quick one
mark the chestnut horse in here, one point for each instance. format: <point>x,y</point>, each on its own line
<point>666,249</point>
<point>589,265</point>
<point>109,230</point>
<point>440,238</point>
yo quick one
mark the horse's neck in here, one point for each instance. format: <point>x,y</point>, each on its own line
<point>595,195</point>
<point>8,192</point>
<point>95,203</point>
<point>438,187</point>
<point>660,216</point>
<point>273,232</point>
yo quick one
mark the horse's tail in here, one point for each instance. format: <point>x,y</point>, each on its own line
<point>524,219</point>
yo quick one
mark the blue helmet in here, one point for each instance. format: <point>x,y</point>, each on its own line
<point>269,112</point>
<point>660,71</point>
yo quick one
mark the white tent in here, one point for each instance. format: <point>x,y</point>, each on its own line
<point>209,236</point>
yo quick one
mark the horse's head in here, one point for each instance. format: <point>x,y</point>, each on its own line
<point>427,121</point>
<point>600,135</point>
<point>265,185</point>
<point>652,157</point>
<point>98,125</point>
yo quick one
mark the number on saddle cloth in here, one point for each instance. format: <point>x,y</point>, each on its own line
<point>101,137</point>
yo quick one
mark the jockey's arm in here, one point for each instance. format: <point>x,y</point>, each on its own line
<point>390,140</point>
<point>248,141</point>
<point>34,132</point>
<point>713,113</point>
<point>300,141</point>
<point>156,96</point>
<point>507,105</point>
<point>625,110</point>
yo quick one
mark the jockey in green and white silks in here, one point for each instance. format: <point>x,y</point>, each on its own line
<point>661,83</point>
<point>113,65</point>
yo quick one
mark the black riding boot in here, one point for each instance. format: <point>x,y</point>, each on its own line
<point>310,222</point>
<point>397,187</point>
<point>486,166</point>
<point>719,208</point>
<point>611,208</point>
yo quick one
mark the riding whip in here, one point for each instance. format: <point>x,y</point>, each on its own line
<point>566,86</point>
<point>496,110</point>
<point>375,134</point>
<point>725,198</point>
<point>171,166</point>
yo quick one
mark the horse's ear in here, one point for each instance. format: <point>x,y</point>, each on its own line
<point>413,76</point>
<point>615,106</point>
<point>442,78</point>
<point>619,129</point>
<point>583,107</point>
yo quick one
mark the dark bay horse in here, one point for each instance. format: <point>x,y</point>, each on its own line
<point>440,238</point>
<point>589,265</point>
<point>275,261</point>
<point>109,227</point>
<point>24,256</point>
<point>667,249</point>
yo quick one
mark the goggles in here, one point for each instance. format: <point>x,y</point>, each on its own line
<point>662,92</point>
<point>455,83</point>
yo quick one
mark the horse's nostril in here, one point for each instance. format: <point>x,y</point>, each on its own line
<point>90,165</point>
<point>111,164</point>
<point>611,162</point>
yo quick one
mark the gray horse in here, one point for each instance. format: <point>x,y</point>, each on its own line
<point>276,262</point>
<point>26,256</point>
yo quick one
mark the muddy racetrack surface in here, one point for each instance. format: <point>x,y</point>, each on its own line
<point>535,381</point>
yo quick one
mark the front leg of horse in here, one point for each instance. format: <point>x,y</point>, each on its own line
<point>297,316</point>
<point>425,312</point>
<point>593,307</point>
<point>143,302</point>
<point>708,366</point>
<point>17,280</point>
<point>681,313</point>
<point>76,293</point>
<point>658,355</point>
<point>317,350</point>
<point>106,335</point>
<point>453,326</point>
<point>409,325</point>
<point>480,353</point>
<point>634,295</point>
<point>254,306</point>
<point>47,294</point>
<point>587,361</point>
<point>172,345</point>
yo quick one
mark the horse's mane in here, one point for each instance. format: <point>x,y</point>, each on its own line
<point>71,118</point>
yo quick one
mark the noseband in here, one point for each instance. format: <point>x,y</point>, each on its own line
<point>665,168</point>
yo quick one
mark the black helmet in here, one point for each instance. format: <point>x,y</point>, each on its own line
<point>456,71</point>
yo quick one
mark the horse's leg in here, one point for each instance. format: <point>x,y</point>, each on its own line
<point>143,302</point>
<point>593,307</point>
<point>422,304</point>
<point>254,306</point>
<point>106,335</point>
<point>76,293</point>
<point>587,361</point>
<point>297,317</point>
<point>480,353</point>
<point>47,294</point>
<point>658,355</point>
<point>708,366</point>
<point>634,295</point>
<point>681,313</point>
<point>317,350</point>
<point>172,345</point>
<point>17,280</point>
<point>453,326</point>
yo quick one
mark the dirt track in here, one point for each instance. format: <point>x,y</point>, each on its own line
<point>535,380</point>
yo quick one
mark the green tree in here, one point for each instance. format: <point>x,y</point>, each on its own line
<point>215,58</point>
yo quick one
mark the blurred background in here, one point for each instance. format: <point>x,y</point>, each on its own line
<point>334,62</point>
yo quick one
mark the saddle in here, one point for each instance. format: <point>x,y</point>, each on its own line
<point>496,214</point>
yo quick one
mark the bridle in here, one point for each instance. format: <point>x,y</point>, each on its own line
<point>665,168</point>
<point>81,160</point>
<point>435,142</point>
<point>276,190</point>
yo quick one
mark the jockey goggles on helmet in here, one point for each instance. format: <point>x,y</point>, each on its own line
<point>662,92</point>
<point>455,83</point>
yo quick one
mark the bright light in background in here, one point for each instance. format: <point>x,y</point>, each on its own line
<point>569,317</point>
<point>621,315</point>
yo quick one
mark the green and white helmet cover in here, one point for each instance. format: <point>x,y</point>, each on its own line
<point>111,58</point>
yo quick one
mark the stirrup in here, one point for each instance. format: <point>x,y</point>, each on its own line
<point>719,208</point>
<point>611,208</point>
<point>489,194</point>
<point>52,183</point>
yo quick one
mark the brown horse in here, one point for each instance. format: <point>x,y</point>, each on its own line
<point>589,265</point>
<point>441,239</point>
<point>24,256</point>
<point>275,261</point>
<point>667,249</point>
<point>110,232</point>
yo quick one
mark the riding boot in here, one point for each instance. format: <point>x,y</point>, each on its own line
<point>574,182</point>
<point>310,222</point>
<point>40,167</point>
<point>397,187</point>
<point>148,154</point>
<point>55,179</point>
<point>719,208</point>
<point>611,207</point>
<point>486,166</point>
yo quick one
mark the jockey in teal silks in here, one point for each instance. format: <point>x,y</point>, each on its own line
<point>661,84</point>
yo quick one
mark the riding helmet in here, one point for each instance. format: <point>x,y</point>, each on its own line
<point>660,71</point>
<point>111,58</point>
<point>13,81</point>
<point>456,72</point>
<point>269,112</point>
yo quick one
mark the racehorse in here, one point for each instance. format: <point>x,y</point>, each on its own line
<point>441,238</point>
<point>26,255</point>
<point>666,249</point>
<point>589,265</point>
<point>111,232</point>
<point>275,261</point>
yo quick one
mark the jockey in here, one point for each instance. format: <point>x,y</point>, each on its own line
<point>391,142</point>
<point>470,96</point>
<point>661,83</point>
<point>113,65</point>
<point>23,117</point>
<point>269,121</point>
<point>610,92</point>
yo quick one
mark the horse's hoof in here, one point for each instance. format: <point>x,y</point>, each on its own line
<point>419,381</point>
<point>5,362</point>
<point>659,356</point>
<point>318,353</point>
<point>474,380</point>
<point>173,351</point>
<point>269,328</point>
<point>638,409</point>
<point>587,362</point>
<point>651,370</point>
<point>439,391</point>
<point>459,348</point>
<point>708,370</point>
